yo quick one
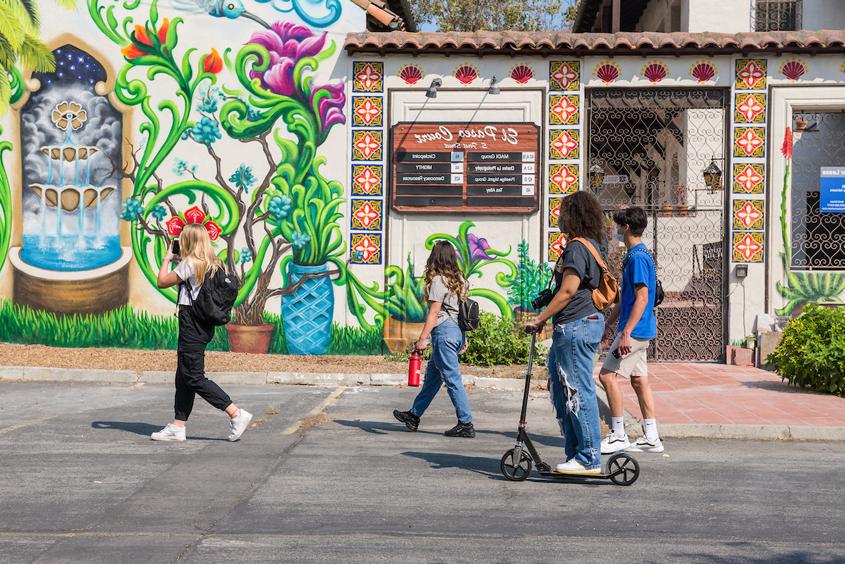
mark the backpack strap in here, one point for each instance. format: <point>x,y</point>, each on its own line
<point>593,251</point>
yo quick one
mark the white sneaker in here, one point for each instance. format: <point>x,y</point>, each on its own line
<point>614,443</point>
<point>643,445</point>
<point>575,467</point>
<point>170,433</point>
<point>239,424</point>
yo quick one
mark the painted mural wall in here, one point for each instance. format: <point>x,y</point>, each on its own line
<point>250,119</point>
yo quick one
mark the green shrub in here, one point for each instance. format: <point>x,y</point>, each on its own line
<point>496,342</point>
<point>812,351</point>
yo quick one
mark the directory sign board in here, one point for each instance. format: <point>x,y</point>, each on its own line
<point>471,168</point>
<point>832,188</point>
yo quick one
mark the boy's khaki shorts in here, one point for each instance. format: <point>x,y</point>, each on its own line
<point>632,364</point>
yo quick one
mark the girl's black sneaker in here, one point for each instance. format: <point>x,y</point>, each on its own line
<point>410,420</point>
<point>465,430</point>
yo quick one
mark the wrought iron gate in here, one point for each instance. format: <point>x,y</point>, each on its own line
<point>649,148</point>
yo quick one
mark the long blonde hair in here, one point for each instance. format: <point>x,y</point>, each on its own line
<point>443,262</point>
<point>195,245</point>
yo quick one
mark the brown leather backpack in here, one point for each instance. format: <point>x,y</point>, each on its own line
<point>608,289</point>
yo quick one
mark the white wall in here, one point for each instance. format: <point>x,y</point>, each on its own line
<point>724,16</point>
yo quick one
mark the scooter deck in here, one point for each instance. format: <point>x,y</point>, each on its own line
<point>552,474</point>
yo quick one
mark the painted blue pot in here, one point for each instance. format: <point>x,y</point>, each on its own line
<point>308,312</point>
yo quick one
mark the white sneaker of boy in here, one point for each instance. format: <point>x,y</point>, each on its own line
<point>575,467</point>
<point>614,443</point>
<point>644,445</point>
<point>239,424</point>
<point>170,433</point>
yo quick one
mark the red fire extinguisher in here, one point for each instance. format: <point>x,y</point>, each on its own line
<point>414,369</point>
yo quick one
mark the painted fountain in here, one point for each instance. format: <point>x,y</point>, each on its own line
<point>70,260</point>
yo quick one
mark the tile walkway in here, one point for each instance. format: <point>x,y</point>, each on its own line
<point>720,394</point>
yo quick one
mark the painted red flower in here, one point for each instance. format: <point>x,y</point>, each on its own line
<point>175,225</point>
<point>786,149</point>
<point>213,229</point>
<point>142,43</point>
<point>194,215</point>
<point>212,62</point>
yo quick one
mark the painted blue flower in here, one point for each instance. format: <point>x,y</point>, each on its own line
<point>252,114</point>
<point>159,212</point>
<point>132,209</point>
<point>181,167</point>
<point>299,240</point>
<point>246,255</point>
<point>243,178</point>
<point>279,207</point>
<point>186,135</point>
<point>208,104</point>
<point>206,131</point>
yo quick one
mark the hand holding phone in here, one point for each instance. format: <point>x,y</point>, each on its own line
<point>174,247</point>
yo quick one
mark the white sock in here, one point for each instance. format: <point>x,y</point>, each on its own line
<point>650,427</point>
<point>618,426</point>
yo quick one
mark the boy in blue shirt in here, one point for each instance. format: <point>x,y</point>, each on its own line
<point>637,326</point>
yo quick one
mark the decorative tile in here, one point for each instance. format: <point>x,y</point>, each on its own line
<point>655,71</point>
<point>365,248</point>
<point>749,142</point>
<point>793,69</point>
<point>749,178</point>
<point>367,111</point>
<point>411,74</point>
<point>563,110</point>
<point>557,242</point>
<point>703,71</point>
<point>564,144</point>
<point>748,214</point>
<point>465,74</point>
<point>521,73</point>
<point>367,180</point>
<point>565,75</point>
<point>607,72</point>
<point>750,107</point>
<point>366,145</point>
<point>748,247</point>
<point>750,74</point>
<point>367,76</point>
<point>366,215</point>
<point>554,212</point>
<point>563,179</point>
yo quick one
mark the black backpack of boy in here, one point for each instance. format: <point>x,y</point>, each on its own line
<point>216,298</point>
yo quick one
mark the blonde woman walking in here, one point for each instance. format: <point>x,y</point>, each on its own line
<point>197,263</point>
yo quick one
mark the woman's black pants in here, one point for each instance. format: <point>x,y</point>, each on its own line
<point>191,380</point>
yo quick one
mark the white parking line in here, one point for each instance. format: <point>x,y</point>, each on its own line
<point>319,408</point>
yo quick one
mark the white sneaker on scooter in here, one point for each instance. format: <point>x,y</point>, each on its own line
<point>614,443</point>
<point>574,467</point>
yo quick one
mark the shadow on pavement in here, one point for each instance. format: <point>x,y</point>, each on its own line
<point>478,464</point>
<point>142,429</point>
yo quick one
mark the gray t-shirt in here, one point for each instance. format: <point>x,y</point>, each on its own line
<point>185,271</point>
<point>439,292</point>
<point>577,257</point>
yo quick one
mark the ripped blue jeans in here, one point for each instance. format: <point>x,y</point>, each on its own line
<point>573,391</point>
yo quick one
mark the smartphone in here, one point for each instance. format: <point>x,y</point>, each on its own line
<point>174,246</point>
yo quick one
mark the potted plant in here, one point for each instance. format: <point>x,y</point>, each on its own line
<point>738,354</point>
<point>405,309</point>
<point>680,195</point>
<point>283,218</point>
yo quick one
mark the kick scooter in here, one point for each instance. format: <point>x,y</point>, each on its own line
<point>622,469</point>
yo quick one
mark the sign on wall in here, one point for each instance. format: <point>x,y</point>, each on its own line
<point>471,168</point>
<point>832,187</point>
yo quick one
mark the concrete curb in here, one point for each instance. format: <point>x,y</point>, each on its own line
<point>632,425</point>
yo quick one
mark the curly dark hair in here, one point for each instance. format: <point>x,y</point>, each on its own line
<point>581,216</point>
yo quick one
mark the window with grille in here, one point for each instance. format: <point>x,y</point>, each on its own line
<point>777,15</point>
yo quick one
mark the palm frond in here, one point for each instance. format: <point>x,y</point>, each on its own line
<point>31,9</point>
<point>67,4</point>
<point>11,26</point>
<point>5,91</point>
<point>35,55</point>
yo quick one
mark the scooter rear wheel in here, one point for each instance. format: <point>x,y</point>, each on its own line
<point>516,472</point>
<point>623,469</point>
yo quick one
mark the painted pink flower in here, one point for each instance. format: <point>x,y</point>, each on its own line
<point>287,44</point>
<point>478,247</point>
<point>330,99</point>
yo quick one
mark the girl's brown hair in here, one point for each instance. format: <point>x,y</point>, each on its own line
<point>195,245</point>
<point>581,216</point>
<point>443,262</point>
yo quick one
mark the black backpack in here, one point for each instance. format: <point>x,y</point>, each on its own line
<point>469,315</point>
<point>216,298</point>
<point>659,294</point>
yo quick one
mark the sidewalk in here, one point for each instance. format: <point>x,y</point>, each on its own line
<point>715,400</point>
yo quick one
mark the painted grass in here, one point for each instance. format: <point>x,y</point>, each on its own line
<point>131,329</point>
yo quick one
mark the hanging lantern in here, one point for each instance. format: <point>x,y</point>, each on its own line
<point>596,177</point>
<point>712,177</point>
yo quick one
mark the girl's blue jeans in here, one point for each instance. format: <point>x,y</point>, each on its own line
<point>573,391</point>
<point>447,340</point>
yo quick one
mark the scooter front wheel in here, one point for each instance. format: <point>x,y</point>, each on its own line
<point>623,469</point>
<point>513,470</point>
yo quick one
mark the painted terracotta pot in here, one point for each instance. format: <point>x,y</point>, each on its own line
<point>250,338</point>
<point>399,336</point>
